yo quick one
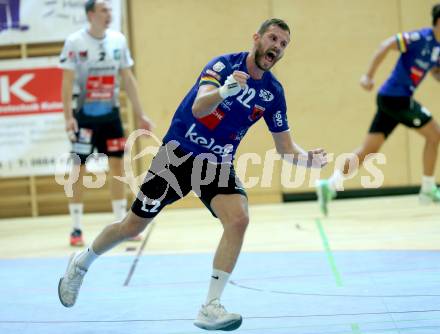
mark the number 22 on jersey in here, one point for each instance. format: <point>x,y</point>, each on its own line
<point>246,97</point>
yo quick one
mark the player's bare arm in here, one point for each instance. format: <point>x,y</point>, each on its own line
<point>292,152</point>
<point>367,80</point>
<point>131,88</point>
<point>67,91</point>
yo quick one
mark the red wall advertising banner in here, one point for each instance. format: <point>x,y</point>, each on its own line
<point>32,136</point>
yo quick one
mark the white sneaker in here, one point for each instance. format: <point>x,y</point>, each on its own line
<point>428,197</point>
<point>213,316</point>
<point>69,285</point>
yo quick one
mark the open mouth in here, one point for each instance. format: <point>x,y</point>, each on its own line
<point>270,56</point>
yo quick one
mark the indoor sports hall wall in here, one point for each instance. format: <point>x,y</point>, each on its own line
<point>332,44</point>
<point>41,195</point>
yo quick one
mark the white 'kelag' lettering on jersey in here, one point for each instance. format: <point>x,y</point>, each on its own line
<point>209,144</point>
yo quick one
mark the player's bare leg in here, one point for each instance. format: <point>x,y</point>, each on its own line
<point>113,234</point>
<point>326,188</point>
<point>429,192</point>
<point>232,210</point>
<point>76,208</point>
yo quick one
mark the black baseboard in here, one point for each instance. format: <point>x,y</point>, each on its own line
<point>355,193</point>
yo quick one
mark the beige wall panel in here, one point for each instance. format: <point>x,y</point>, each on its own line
<point>415,15</point>
<point>40,195</point>
<point>173,40</point>
<point>332,44</point>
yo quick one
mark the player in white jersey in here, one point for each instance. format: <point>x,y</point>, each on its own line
<point>94,59</point>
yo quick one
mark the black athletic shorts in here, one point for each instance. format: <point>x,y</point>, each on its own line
<point>106,136</point>
<point>174,173</point>
<point>392,110</point>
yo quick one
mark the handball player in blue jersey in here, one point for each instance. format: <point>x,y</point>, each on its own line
<point>420,54</point>
<point>230,95</point>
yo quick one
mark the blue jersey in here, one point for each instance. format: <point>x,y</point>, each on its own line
<point>420,52</point>
<point>220,132</point>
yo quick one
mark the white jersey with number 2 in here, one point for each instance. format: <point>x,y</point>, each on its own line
<point>96,63</point>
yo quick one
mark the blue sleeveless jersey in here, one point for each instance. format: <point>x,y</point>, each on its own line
<point>420,52</point>
<point>220,132</point>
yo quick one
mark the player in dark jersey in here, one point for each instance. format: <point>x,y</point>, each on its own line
<point>94,60</point>
<point>231,94</point>
<point>420,54</point>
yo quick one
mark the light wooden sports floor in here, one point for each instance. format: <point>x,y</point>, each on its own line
<point>372,266</point>
<point>381,223</point>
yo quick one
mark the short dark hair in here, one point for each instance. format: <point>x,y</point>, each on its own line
<point>277,22</point>
<point>435,14</point>
<point>89,6</point>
